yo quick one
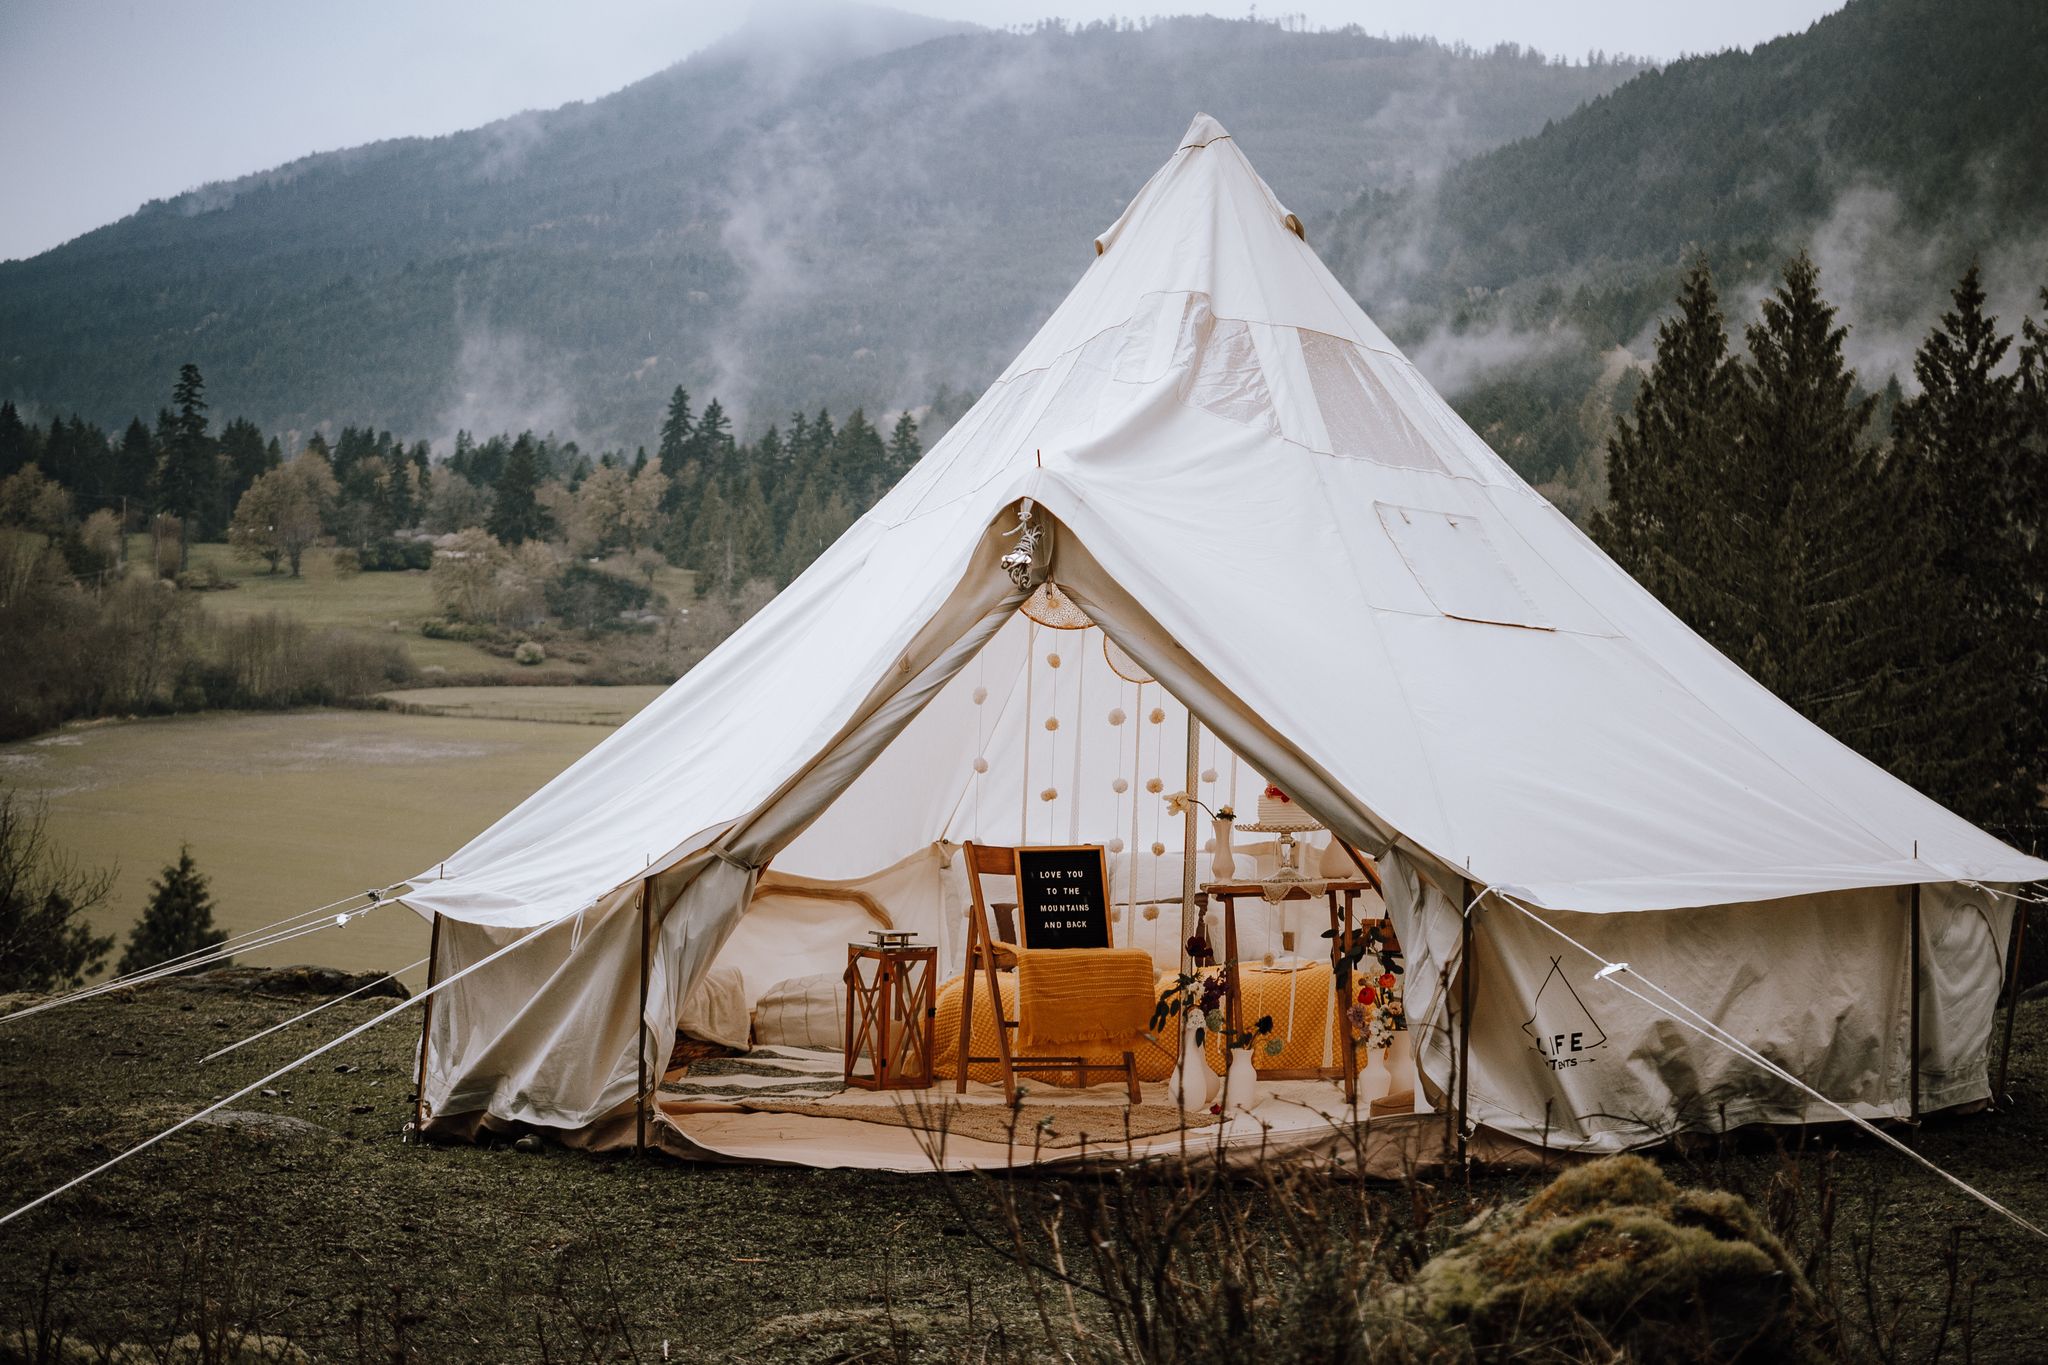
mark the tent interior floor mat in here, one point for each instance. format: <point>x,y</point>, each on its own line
<point>1029,1127</point>
<point>1308,1119</point>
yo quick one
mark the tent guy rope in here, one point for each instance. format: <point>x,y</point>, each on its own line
<point>1612,973</point>
<point>248,941</point>
<point>308,1014</point>
<point>256,1085</point>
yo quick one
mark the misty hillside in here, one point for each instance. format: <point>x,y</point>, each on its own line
<point>850,207</point>
<point>1895,141</point>
<point>1910,133</point>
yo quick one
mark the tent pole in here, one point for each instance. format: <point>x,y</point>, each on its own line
<point>2017,944</point>
<point>1187,841</point>
<point>1913,1060</point>
<point>419,1095</point>
<point>1464,1013</point>
<point>640,1033</point>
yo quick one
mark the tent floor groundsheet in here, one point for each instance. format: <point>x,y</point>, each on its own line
<point>1296,1118</point>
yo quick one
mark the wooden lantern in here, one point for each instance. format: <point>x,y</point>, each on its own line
<point>891,1013</point>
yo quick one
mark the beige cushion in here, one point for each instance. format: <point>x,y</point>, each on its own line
<point>804,1011</point>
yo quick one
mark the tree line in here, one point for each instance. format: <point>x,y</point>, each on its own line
<point>527,537</point>
<point>1889,580</point>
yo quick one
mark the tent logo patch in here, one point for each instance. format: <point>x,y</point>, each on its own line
<point>1562,1028</point>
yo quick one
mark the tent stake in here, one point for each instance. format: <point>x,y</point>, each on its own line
<point>640,1034</point>
<point>1465,1014</point>
<point>419,1096</point>
<point>2017,944</point>
<point>1913,1061</point>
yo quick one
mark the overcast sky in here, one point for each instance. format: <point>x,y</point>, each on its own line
<point>105,104</point>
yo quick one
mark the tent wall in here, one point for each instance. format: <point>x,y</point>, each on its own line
<point>1818,984</point>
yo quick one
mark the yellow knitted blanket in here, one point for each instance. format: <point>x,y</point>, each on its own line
<point>1083,995</point>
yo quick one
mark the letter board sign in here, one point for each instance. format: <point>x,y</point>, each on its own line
<point>1063,895</point>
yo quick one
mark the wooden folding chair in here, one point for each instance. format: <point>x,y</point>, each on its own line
<point>983,954</point>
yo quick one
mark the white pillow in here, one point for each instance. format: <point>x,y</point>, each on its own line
<point>715,1010</point>
<point>804,1011</point>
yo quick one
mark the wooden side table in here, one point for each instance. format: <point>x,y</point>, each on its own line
<point>891,1013</point>
<point>1341,930</point>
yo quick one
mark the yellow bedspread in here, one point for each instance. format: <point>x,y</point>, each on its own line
<point>1304,1023</point>
<point>1154,1060</point>
<point>1083,995</point>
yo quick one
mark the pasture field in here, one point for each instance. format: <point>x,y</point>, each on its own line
<point>385,606</point>
<point>289,811</point>
<point>570,705</point>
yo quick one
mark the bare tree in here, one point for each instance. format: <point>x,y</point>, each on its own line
<point>44,942</point>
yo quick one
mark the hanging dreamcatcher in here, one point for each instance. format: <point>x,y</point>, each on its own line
<point>1054,609</point>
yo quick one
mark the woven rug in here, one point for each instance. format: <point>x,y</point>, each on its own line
<point>1044,1127</point>
<point>810,1082</point>
<point>766,1073</point>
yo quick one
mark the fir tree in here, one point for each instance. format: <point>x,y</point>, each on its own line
<point>711,445</point>
<point>188,481</point>
<point>1802,572</point>
<point>135,464</point>
<point>15,448</point>
<point>861,458</point>
<point>676,429</point>
<point>904,448</point>
<point>1963,443</point>
<point>1666,461</point>
<point>754,550</point>
<point>178,920</point>
<point>709,553</point>
<point>246,454</point>
<point>516,513</point>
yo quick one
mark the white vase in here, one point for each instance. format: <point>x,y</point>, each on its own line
<point>1374,1077</point>
<point>1223,862</point>
<point>1383,1071</point>
<point>1188,1086</point>
<point>1241,1082</point>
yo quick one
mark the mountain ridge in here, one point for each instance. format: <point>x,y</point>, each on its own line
<point>894,223</point>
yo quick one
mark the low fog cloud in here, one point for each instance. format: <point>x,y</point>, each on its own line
<point>503,383</point>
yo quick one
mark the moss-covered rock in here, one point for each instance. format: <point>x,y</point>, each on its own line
<point>1614,1254</point>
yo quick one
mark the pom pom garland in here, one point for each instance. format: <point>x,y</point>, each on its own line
<point>1052,722</point>
<point>1151,912</point>
<point>1052,661</point>
<point>1119,786</point>
<point>981,765</point>
<point>980,695</point>
<point>1208,774</point>
<point>1116,845</point>
<point>1158,715</point>
<point>1049,794</point>
<point>1154,785</point>
<point>1116,715</point>
<point>1158,849</point>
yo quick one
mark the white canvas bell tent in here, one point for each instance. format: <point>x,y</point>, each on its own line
<point>1247,488</point>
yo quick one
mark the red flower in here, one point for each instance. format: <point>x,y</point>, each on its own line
<point>1273,793</point>
<point>1386,981</point>
<point>1366,995</point>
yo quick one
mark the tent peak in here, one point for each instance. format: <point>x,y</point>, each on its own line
<point>1203,131</point>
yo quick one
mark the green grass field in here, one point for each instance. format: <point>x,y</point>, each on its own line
<point>289,811</point>
<point>385,606</point>
<point>571,705</point>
